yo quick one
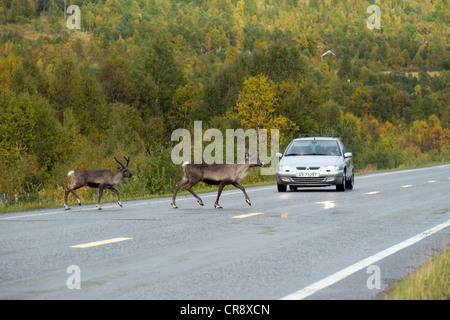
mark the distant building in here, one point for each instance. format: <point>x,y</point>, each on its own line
<point>328,53</point>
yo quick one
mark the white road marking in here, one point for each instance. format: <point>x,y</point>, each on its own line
<point>378,174</point>
<point>344,273</point>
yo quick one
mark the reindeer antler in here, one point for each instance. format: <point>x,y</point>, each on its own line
<point>120,163</point>
<point>127,160</point>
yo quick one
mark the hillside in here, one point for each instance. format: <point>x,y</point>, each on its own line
<point>139,69</point>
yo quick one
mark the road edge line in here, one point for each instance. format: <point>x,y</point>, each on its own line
<point>344,273</point>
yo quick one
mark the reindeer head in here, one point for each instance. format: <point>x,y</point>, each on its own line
<point>126,173</point>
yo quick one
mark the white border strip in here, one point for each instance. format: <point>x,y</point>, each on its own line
<point>338,276</point>
<point>379,174</point>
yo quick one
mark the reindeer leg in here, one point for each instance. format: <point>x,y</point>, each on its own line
<point>70,189</point>
<point>117,194</point>
<point>247,199</point>
<point>66,193</point>
<point>188,188</point>
<point>100,193</point>
<point>221,186</point>
<point>182,182</point>
<point>78,198</point>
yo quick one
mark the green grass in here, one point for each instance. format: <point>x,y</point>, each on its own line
<point>431,282</point>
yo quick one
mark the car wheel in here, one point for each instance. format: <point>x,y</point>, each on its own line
<point>349,184</point>
<point>281,187</point>
<point>341,186</point>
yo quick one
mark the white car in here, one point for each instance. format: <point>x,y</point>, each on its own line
<point>315,161</point>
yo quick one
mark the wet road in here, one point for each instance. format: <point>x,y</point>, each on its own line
<point>308,244</point>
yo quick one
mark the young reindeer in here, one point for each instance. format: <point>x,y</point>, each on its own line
<point>101,179</point>
<point>214,174</point>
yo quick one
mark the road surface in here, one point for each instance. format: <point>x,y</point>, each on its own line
<point>305,244</point>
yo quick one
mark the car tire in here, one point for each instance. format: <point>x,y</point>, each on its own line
<point>349,184</point>
<point>281,187</point>
<point>341,186</point>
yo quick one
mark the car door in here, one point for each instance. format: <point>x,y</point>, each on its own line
<point>348,160</point>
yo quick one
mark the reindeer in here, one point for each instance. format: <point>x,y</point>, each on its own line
<point>214,174</point>
<point>101,179</point>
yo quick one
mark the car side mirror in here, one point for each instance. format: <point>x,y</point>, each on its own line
<point>278,155</point>
<point>348,155</point>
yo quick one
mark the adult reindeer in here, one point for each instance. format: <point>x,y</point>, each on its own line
<point>214,174</point>
<point>101,179</point>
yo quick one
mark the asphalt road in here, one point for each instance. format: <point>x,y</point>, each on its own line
<point>308,244</point>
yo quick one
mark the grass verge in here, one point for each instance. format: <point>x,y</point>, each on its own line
<point>431,282</point>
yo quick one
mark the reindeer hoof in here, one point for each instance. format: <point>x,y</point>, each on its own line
<point>174,205</point>
<point>79,202</point>
<point>200,202</point>
<point>119,203</point>
<point>98,207</point>
<point>66,208</point>
<point>218,206</point>
<point>248,201</point>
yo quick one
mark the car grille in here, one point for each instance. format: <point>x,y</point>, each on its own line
<point>310,168</point>
<point>308,180</point>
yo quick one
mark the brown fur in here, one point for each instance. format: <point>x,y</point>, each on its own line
<point>214,174</point>
<point>101,179</point>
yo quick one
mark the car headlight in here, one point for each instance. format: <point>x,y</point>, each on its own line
<point>285,168</point>
<point>330,168</point>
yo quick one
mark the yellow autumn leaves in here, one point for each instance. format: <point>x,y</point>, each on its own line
<point>257,107</point>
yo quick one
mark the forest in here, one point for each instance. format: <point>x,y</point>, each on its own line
<point>136,70</point>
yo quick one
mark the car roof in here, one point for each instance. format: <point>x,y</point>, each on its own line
<point>316,138</point>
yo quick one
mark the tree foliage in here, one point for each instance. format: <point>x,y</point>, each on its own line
<point>139,69</point>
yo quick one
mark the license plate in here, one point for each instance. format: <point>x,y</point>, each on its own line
<point>307,174</point>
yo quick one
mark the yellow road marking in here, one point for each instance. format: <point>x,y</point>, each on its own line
<point>248,215</point>
<point>373,192</point>
<point>431,181</point>
<point>407,186</point>
<point>99,243</point>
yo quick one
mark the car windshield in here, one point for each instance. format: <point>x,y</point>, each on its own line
<point>313,148</point>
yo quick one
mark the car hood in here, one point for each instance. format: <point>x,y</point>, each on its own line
<point>296,161</point>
